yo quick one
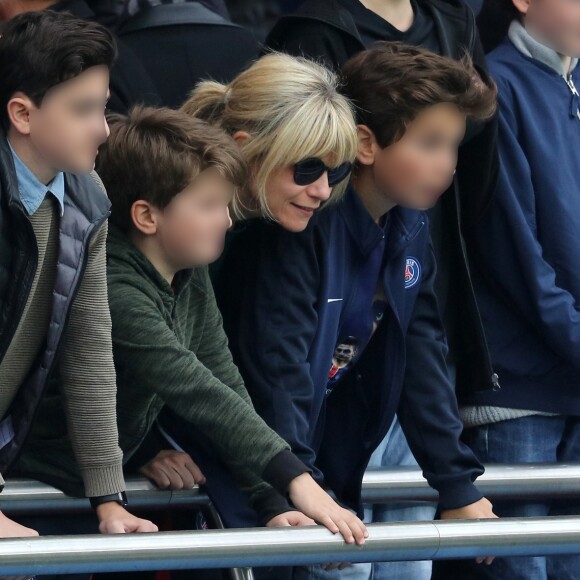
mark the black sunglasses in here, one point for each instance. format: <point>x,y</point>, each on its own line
<point>310,170</point>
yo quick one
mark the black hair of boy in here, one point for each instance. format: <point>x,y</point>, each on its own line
<point>39,50</point>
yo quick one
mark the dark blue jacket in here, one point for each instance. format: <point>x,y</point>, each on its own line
<point>528,247</point>
<point>282,296</point>
<point>326,31</point>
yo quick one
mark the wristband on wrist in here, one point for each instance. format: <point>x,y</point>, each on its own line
<point>120,498</point>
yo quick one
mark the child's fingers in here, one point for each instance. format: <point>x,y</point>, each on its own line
<point>346,531</point>
<point>363,529</point>
<point>358,531</point>
<point>356,527</point>
<point>328,522</point>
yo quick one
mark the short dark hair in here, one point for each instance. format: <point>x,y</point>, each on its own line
<point>155,153</point>
<point>41,49</point>
<point>391,83</point>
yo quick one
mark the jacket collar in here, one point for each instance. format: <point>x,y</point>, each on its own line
<point>121,249</point>
<point>531,48</point>
<point>402,225</point>
<point>80,191</point>
<point>32,191</point>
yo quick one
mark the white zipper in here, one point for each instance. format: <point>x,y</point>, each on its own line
<point>570,83</point>
<point>573,89</point>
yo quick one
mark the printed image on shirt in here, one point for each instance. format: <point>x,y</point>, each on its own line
<point>378,311</point>
<point>344,355</point>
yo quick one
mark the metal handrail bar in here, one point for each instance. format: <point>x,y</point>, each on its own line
<point>289,546</point>
<point>529,481</point>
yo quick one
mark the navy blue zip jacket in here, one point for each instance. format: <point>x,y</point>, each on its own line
<point>326,31</point>
<point>282,296</point>
<point>528,246</point>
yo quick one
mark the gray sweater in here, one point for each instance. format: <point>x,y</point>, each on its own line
<point>85,370</point>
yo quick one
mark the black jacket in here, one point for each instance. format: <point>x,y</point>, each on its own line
<point>130,84</point>
<point>325,30</point>
<point>87,208</point>
<point>181,44</point>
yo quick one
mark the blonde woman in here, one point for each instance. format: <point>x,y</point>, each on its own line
<point>296,131</point>
<point>298,137</point>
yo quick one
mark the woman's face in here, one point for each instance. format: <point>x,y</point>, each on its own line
<point>293,205</point>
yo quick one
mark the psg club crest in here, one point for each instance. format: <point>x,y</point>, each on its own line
<point>412,273</point>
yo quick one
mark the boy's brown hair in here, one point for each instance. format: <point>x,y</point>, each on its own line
<point>391,83</point>
<point>155,153</point>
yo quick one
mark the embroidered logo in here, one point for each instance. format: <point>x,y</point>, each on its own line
<point>412,272</point>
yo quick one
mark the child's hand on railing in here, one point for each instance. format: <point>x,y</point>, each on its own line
<point>173,470</point>
<point>315,503</point>
<point>479,510</point>
<point>115,519</point>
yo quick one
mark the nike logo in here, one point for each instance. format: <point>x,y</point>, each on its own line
<point>335,300</point>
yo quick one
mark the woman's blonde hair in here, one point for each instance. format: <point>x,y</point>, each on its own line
<point>292,110</point>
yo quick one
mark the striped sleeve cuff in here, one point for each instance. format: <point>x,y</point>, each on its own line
<point>104,480</point>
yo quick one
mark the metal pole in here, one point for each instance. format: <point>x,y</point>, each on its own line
<point>25,496</point>
<point>528,481</point>
<point>289,546</point>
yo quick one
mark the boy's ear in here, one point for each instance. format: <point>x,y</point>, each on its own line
<point>240,137</point>
<point>522,5</point>
<point>367,145</point>
<point>144,217</point>
<point>19,108</point>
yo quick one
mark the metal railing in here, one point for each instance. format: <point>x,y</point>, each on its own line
<point>379,486</point>
<point>29,496</point>
<point>289,546</point>
<point>240,549</point>
<point>529,481</point>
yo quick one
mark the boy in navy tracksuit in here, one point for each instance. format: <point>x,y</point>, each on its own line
<point>529,266</point>
<point>362,275</point>
<point>335,30</point>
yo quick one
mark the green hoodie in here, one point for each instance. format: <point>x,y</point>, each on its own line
<point>170,349</point>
